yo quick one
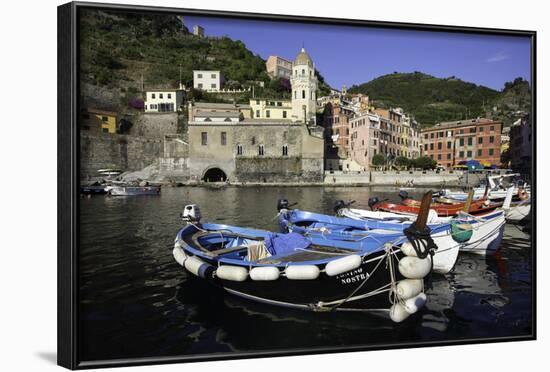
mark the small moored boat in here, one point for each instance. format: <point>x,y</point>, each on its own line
<point>344,228</point>
<point>123,190</point>
<point>309,273</point>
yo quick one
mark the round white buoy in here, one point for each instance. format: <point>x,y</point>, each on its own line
<point>198,267</point>
<point>408,250</point>
<point>233,273</point>
<point>409,288</point>
<point>414,267</point>
<point>302,272</point>
<point>342,265</point>
<point>398,313</point>
<point>264,273</point>
<point>179,255</point>
<point>412,305</point>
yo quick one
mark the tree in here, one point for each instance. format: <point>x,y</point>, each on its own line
<point>378,160</point>
<point>424,163</point>
<point>402,161</point>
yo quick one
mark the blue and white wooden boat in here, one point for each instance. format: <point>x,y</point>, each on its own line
<point>344,228</point>
<point>381,276</point>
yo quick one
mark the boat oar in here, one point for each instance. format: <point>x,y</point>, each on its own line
<point>422,219</point>
<point>468,203</point>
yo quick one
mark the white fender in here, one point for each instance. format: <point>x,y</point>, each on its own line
<point>398,313</point>
<point>302,272</point>
<point>414,267</point>
<point>233,273</point>
<point>407,249</point>
<point>195,265</point>
<point>264,273</point>
<point>179,255</point>
<point>409,288</point>
<point>412,305</point>
<point>342,265</point>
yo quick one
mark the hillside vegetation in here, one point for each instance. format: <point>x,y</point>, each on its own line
<point>118,50</point>
<point>428,98</point>
<point>432,100</point>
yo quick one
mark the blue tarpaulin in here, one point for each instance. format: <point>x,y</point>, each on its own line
<point>283,243</point>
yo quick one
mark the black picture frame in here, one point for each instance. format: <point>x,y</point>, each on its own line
<point>68,180</point>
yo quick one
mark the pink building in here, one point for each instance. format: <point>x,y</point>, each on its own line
<point>364,139</point>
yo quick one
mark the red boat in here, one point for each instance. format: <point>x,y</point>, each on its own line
<point>411,206</point>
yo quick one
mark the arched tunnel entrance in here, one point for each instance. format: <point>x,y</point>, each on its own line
<point>214,175</point>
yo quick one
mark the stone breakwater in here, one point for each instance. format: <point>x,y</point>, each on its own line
<point>394,178</point>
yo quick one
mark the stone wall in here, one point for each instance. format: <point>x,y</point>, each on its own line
<point>129,153</point>
<point>419,178</point>
<point>302,161</point>
<point>276,169</point>
<point>154,125</point>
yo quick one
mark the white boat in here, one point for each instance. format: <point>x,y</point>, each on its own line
<point>519,211</point>
<point>117,190</point>
<point>497,189</point>
<point>487,231</point>
<point>482,234</point>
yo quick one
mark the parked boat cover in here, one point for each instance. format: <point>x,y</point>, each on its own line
<point>285,243</point>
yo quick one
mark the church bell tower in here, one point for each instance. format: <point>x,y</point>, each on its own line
<point>304,87</point>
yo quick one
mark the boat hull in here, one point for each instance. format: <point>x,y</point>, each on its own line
<point>323,293</point>
<point>518,213</point>
<point>134,190</point>
<point>487,234</point>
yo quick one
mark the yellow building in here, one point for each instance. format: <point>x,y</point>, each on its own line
<point>102,120</point>
<point>271,109</point>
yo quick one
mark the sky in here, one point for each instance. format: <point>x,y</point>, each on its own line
<point>347,55</point>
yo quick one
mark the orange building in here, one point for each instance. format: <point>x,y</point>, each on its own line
<point>449,143</point>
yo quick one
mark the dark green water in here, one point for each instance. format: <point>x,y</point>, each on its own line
<point>136,301</point>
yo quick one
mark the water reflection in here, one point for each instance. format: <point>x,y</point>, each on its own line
<point>136,301</point>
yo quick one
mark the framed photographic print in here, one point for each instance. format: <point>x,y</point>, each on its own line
<point>236,185</point>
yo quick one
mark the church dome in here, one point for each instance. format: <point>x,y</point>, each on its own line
<point>303,59</point>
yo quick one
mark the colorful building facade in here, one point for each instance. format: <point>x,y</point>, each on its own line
<point>450,143</point>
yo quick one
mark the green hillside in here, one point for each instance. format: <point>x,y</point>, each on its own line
<point>119,49</point>
<point>428,98</point>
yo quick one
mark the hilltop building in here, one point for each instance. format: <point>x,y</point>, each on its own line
<point>163,100</point>
<point>278,67</point>
<point>208,80</point>
<point>198,31</point>
<point>94,119</point>
<point>450,143</point>
<point>304,87</point>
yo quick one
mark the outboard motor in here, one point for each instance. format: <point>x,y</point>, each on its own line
<point>373,201</point>
<point>191,213</point>
<point>403,194</point>
<point>282,204</point>
<point>339,205</point>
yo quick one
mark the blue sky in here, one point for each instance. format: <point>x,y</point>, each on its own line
<point>354,55</point>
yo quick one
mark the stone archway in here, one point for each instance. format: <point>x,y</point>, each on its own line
<point>214,174</point>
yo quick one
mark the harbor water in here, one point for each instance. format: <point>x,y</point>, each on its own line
<point>136,301</point>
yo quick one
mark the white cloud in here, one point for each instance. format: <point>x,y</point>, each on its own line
<point>500,56</point>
